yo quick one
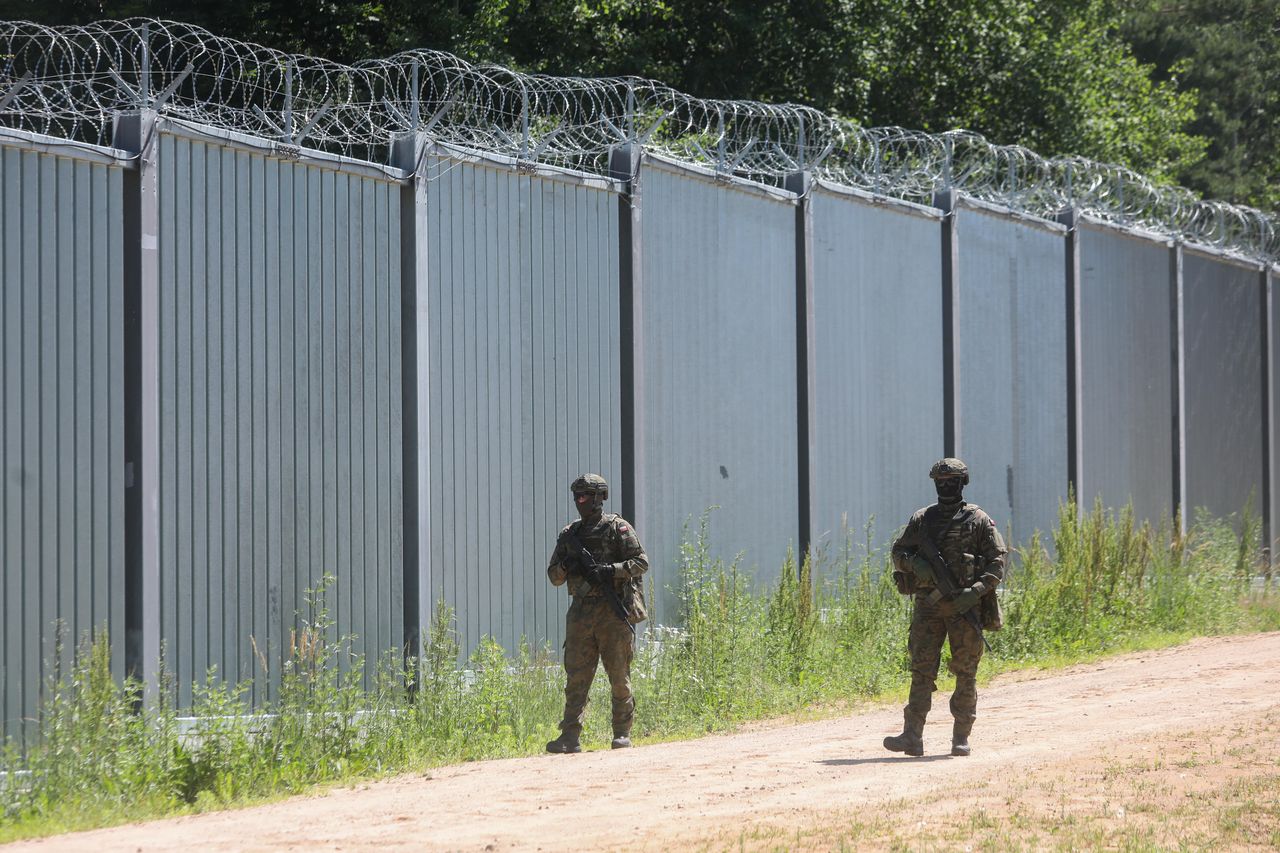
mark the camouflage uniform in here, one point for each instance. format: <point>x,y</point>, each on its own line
<point>976,553</point>
<point>594,633</point>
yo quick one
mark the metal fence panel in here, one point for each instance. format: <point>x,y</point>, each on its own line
<point>524,385</point>
<point>1013,368</point>
<point>280,441</point>
<point>1126,444</point>
<point>718,341</point>
<point>878,355</point>
<point>1223,381</point>
<point>61,415</point>
<point>1273,448</point>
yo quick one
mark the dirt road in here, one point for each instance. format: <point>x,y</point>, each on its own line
<point>1038,736</point>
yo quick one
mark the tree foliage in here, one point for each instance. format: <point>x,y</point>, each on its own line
<point>1057,77</point>
<point>1228,51</point>
<point>1149,84</point>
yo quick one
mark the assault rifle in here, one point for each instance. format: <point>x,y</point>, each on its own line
<point>591,571</point>
<point>946,585</point>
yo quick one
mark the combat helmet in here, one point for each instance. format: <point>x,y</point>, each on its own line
<point>945,469</point>
<point>590,484</point>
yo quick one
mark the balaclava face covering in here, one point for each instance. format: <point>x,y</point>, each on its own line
<point>950,490</point>
<point>590,505</point>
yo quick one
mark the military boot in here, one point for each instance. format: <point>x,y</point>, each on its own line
<point>565,743</point>
<point>911,740</point>
<point>621,741</point>
<point>960,738</point>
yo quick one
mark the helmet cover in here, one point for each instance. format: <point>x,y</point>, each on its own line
<point>590,484</point>
<point>945,469</point>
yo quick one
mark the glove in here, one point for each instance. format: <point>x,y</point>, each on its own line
<point>598,574</point>
<point>903,582</point>
<point>969,596</point>
<point>922,569</point>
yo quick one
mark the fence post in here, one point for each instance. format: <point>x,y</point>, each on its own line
<point>1269,521</point>
<point>408,152</point>
<point>1070,217</point>
<point>624,166</point>
<point>800,183</point>
<point>945,200</point>
<point>136,132</point>
<point>1178,384</point>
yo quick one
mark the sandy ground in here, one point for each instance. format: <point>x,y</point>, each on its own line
<point>1039,738</point>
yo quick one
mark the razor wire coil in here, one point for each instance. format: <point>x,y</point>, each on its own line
<point>71,82</point>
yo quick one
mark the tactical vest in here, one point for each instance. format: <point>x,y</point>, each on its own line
<point>605,544</point>
<point>959,541</point>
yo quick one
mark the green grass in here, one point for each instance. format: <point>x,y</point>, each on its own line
<point>829,632</point>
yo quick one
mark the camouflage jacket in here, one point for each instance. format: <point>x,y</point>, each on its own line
<point>972,546</point>
<point>610,540</point>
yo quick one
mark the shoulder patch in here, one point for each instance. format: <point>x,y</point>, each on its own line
<point>981,515</point>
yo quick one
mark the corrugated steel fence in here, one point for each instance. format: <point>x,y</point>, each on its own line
<point>716,345</point>
<point>234,368</point>
<point>1270,508</point>
<point>1128,369</point>
<point>1011,345</point>
<point>62,531</point>
<point>878,407</point>
<point>523,389</point>
<point>280,430</point>
<point>1223,338</point>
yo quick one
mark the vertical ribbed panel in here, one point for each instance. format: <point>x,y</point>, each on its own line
<point>878,405</point>
<point>280,408</point>
<point>718,341</point>
<point>1223,364</point>
<point>524,386</point>
<point>1126,444</point>
<point>280,387</point>
<point>61,415</point>
<point>1013,366</point>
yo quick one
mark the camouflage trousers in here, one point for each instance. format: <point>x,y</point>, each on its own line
<point>931,624</point>
<point>595,634</point>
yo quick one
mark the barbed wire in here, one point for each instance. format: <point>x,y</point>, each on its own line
<point>71,82</point>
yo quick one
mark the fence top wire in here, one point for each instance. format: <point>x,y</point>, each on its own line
<point>71,82</point>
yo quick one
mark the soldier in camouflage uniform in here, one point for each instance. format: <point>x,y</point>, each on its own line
<point>594,631</point>
<point>971,544</point>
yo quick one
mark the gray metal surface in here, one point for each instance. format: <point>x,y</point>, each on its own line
<point>1012,353</point>
<point>1126,413</point>
<point>1273,448</point>
<point>1223,363</point>
<point>61,415</point>
<point>278,369</point>
<point>523,384</point>
<point>718,351</point>
<point>280,444</point>
<point>878,361</point>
